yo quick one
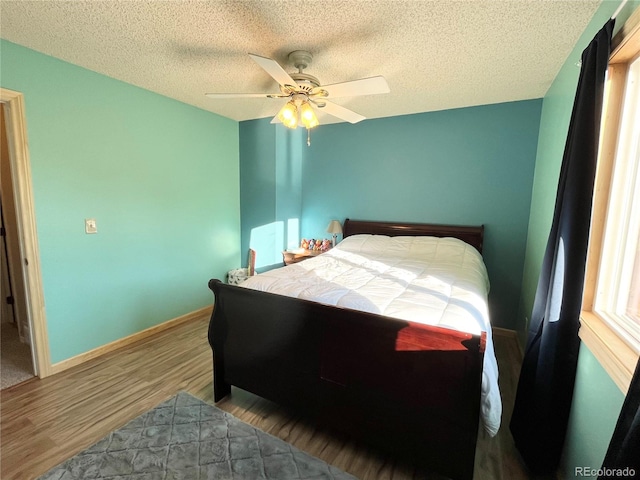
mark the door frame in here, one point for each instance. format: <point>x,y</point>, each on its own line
<point>21,177</point>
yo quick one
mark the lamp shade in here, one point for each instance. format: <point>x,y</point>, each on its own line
<point>288,115</point>
<point>334,227</point>
<point>308,116</point>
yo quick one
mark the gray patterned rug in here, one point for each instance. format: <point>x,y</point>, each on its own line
<point>186,438</point>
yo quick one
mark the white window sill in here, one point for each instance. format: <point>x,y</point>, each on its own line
<point>616,357</point>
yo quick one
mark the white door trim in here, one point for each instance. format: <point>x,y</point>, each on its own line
<point>25,211</point>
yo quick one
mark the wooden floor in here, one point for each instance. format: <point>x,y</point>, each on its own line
<point>46,421</point>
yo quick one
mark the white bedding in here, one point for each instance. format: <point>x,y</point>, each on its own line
<point>435,281</point>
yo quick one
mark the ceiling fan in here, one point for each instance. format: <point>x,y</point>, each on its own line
<point>303,90</point>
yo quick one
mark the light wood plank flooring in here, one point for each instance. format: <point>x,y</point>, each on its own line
<point>43,422</point>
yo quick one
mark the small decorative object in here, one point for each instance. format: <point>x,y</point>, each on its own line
<point>251,268</point>
<point>315,245</point>
<point>334,228</point>
<point>237,276</point>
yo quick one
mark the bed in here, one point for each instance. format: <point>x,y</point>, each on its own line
<point>373,360</point>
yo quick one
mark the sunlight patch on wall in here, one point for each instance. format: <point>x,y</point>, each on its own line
<point>271,239</point>
<point>267,241</point>
<point>293,233</point>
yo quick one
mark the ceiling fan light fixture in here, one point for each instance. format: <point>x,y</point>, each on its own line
<point>302,90</point>
<point>308,116</point>
<point>288,115</point>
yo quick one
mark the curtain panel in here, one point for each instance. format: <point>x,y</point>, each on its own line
<point>545,388</point>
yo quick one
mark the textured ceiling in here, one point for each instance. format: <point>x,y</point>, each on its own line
<point>435,55</point>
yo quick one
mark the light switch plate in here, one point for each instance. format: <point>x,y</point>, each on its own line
<point>90,225</point>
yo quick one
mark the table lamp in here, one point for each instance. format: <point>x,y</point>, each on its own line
<point>334,228</point>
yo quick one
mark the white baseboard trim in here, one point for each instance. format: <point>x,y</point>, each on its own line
<point>123,342</point>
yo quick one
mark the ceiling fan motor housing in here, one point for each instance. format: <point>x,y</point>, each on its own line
<point>305,81</point>
<point>301,59</point>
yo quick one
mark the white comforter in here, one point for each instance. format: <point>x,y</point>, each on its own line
<point>435,281</point>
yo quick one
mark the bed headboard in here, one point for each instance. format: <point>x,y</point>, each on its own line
<point>473,235</point>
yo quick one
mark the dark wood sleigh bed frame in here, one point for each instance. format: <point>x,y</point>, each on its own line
<point>410,389</point>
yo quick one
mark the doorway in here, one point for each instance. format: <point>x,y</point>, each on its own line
<point>24,334</point>
<point>16,362</point>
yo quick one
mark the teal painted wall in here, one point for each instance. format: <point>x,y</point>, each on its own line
<point>270,190</point>
<point>257,188</point>
<point>289,162</point>
<point>160,177</point>
<point>587,437</point>
<point>464,166</point>
<point>597,403</point>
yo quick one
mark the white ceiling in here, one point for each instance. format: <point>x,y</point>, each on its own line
<point>435,55</point>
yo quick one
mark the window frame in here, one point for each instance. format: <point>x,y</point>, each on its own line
<point>616,357</point>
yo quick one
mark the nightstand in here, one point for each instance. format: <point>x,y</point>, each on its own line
<point>294,256</point>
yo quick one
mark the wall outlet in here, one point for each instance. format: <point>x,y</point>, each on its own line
<point>90,225</point>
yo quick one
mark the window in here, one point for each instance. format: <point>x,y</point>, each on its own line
<point>616,300</point>
<point>610,324</point>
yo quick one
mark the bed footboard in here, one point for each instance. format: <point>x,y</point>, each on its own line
<point>410,389</point>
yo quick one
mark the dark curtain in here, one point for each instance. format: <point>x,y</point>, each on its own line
<point>623,456</point>
<point>545,388</point>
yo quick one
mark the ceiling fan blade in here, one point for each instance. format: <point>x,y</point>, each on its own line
<point>340,112</point>
<point>245,95</point>
<point>274,69</point>
<point>364,86</point>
